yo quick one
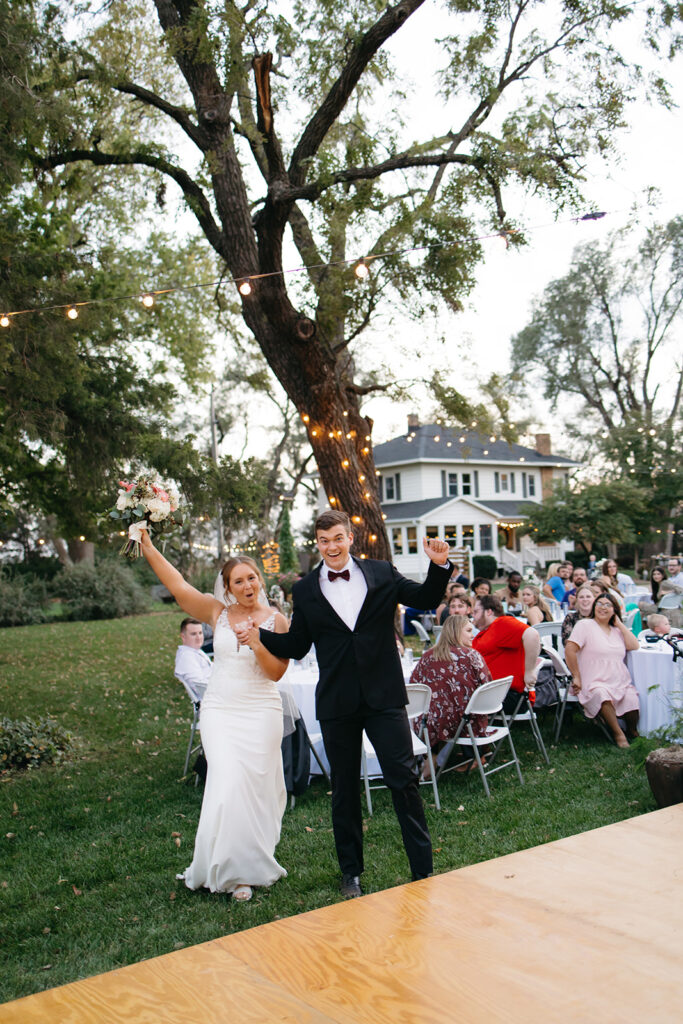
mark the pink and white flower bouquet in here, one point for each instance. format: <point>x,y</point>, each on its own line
<point>145,503</point>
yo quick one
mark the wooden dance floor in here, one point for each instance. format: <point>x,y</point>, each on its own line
<point>584,929</point>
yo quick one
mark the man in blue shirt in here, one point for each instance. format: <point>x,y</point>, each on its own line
<point>558,586</point>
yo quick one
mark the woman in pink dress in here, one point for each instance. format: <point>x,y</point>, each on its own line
<point>452,671</point>
<point>595,655</point>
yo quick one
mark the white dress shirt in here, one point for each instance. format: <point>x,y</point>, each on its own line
<point>345,596</point>
<point>193,668</point>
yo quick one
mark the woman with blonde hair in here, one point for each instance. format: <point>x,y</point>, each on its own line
<point>536,608</point>
<point>452,670</point>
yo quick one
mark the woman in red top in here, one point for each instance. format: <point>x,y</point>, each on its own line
<point>509,647</point>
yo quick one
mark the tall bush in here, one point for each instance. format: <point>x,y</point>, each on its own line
<point>485,565</point>
<point>23,600</point>
<point>105,591</point>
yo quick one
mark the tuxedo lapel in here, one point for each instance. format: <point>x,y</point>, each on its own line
<point>368,571</point>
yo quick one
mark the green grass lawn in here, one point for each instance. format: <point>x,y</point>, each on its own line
<point>89,850</point>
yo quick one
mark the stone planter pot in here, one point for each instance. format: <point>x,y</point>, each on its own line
<point>664,769</point>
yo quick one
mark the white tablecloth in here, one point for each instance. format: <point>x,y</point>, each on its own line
<point>301,682</point>
<point>659,682</point>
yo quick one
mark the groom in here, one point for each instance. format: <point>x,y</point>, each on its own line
<point>346,608</point>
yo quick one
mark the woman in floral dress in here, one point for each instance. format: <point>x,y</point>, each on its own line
<point>452,671</point>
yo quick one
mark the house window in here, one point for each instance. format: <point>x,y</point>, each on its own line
<point>380,484</point>
<point>524,485</point>
<point>466,483</point>
<point>393,487</point>
<point>432,532</point>
<point>453,485</point>
<point>468,537</point>
<point>411,533</point>
<point>532,485</point>
<point>397,539</point>
<point>485,537</point>
<point>450,535</point>
<point>503,481</point>
<point>512,482</point>
<point>496,482</point>
<point>443,483</point>
<point>476,483</point>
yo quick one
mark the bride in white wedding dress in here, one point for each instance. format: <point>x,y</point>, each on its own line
<point>241,729</point>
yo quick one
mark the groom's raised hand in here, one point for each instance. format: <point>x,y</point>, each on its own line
<point>436,550</point>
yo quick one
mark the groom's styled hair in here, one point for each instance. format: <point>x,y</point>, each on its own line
<point>333,517</point>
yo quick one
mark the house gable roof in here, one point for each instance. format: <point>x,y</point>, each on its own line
<point>399,511</point>
<point>432,443</point>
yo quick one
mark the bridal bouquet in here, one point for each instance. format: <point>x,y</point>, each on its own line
<point>145,503</point>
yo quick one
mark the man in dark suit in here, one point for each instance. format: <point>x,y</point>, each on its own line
<point>346,608</point>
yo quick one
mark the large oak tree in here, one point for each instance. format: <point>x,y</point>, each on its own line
<point>310,148</point>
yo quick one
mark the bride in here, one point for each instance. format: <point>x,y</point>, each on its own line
<point>241,727</point>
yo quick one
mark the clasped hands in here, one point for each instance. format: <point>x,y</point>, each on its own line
<point>247,633</point>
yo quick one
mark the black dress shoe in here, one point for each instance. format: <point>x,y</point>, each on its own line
<point>349,887</point>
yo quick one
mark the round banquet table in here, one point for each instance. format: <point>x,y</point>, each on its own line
<point>659,682</point>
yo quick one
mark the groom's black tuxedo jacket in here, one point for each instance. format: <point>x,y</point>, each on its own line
<point>361,664</point>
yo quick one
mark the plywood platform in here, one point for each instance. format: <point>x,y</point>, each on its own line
<point>588,928</point>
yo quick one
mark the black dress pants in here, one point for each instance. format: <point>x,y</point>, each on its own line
<point>389,732</point>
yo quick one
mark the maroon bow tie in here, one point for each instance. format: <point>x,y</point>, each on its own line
<point>344,575</point>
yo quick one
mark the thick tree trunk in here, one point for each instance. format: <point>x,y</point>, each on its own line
<point>82,551</point>
<point>339,434</point>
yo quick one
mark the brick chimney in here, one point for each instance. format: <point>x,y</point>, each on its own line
<point>413,421</point>
<point>543,446</point>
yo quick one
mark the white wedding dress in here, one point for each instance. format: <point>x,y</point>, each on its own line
<point>244,795</point>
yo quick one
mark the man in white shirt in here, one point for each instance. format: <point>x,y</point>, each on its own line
<point>675,571</point>
<point>192,665</point>
<point>346,607</point>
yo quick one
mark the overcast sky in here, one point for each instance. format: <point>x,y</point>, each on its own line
<point>509,280</point>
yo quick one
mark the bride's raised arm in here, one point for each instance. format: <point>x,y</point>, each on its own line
<point>199,606</point>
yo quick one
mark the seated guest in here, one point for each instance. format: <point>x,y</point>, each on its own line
<point>584,602</point>
<point>452,671</point>
<point>452,588</point>
<point>592,570</point>
<point>658,624</point>
<point>459,604</point>
<point>619,580</point>
<point>480,586</point>
<point>579,577</point>
<point>595,654</point>
<point>535,608</point>
<point>609,588</point>
<point>558,583</point>
<point>192,665</point>
<point>657,577</point>
<point>508,646</point>
<point>675,571</point>
<point>510,594</point>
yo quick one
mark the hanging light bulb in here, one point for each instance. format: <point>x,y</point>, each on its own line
<point>4,321</point>
<point>245,288</point>
<point>306,418</point>
<point>72,313</point>
<point>147,300</point>
<point>361,270</point>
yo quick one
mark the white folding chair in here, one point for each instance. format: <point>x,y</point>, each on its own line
<point>422,633</point>
<point>196,698</point>
<point>419,697</point>
<point>487,699</point>
<point>669,601</point>
<point>524,714</point>
<point>554,631</point>
<point>629,617</point>
<point>564,682</point>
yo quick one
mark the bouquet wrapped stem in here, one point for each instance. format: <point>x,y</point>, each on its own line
<point>144,504</point>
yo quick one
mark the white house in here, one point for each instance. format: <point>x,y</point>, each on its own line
<point>466,489</point>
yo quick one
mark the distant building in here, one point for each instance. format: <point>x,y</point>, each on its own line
<point>466,489</point>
